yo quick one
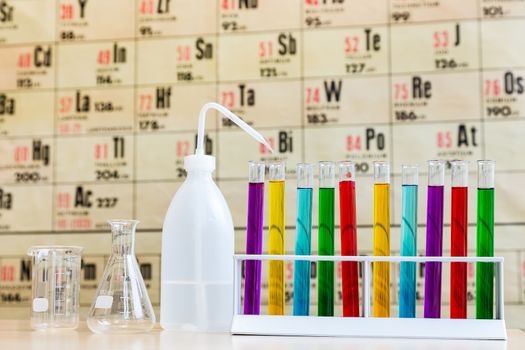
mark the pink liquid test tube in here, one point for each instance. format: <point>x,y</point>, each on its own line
<point>254,228</point>
<point>436,187</point>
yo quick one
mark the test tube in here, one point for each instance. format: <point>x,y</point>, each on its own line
<point>381,238</point>
<point>435,192</point>
<point>458,233</point>
<point>350,276</point>
<point>276,239</point>
<point>407,286</point>
<point>485,240</point>
<point>254,225</point>
<point>301,293</point>
<point>325,294</point>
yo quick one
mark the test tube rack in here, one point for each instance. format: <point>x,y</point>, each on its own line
<point>368,326</point>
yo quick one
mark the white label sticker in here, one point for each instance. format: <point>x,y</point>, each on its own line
<point>104,302</point>
<point>40,304</point>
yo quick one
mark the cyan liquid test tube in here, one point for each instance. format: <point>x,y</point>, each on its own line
<point>436,186</point>
<point>254,238</point>
<point>303,243</point>
<point>407,286</point>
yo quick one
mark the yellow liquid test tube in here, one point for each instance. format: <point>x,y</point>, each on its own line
<point>381,279</point>
<point>276,239</point>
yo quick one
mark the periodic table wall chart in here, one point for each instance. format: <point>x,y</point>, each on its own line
<point>99,103</point>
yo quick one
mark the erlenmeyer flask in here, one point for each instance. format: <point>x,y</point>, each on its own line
<point>122,304</point>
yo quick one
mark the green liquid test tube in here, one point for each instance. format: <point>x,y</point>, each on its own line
<point>325,296</point>
<point>485,240</point>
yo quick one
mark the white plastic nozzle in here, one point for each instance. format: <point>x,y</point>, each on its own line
<point>228,114</point>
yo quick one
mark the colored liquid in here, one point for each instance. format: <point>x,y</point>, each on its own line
<point>301,291</point>
<point>485,247</point>
<point>276,246</point>
<point>252,282</point>
<point>325,296</point>
<point>458,270</point>
<point>349,247</point>
<point>381,247</point>
<point>407,286</point>
<point>434,248</point>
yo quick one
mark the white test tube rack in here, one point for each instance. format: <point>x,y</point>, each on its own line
<point>367,325</point>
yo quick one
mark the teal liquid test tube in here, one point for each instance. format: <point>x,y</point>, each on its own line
<point>407,285</point>
<point>485,240</point>
<point>325,285</point>
<point>301,291</point>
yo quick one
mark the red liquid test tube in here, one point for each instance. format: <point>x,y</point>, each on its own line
<point>459,231</point>
<point>350,273</point>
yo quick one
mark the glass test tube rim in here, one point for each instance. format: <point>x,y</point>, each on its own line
<point>326,174</point>
<point>126,226</point>
<point>410,179</point>
<point>459,169</point>
<point>255,175</point>
<point>436,172</point>
<point>381,177</point>
<point>486,178</point>
<point>486,161</point>
<point>277,171</point>
<point>308,181</point>
<point>347,164</point>
<point>49,249</point>
<point>123,222</point>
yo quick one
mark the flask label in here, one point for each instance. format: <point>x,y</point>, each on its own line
<point>104,302</point>
<point>40,304</point>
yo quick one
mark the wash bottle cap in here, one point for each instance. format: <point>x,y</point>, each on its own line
<point>200,161</point>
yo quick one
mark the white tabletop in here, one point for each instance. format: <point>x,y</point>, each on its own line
<point>18,335</point>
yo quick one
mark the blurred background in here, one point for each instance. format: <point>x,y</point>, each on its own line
<point>99,103</point>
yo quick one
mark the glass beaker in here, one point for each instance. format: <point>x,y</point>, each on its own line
<point>122,304</point>
<point>55,286</point>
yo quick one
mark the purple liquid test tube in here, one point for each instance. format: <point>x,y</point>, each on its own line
<point>436,186</point>
<point>254,227</point>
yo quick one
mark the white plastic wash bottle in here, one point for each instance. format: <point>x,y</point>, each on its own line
<point>198,245</point>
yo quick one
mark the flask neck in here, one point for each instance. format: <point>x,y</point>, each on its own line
<point>123,236</point>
